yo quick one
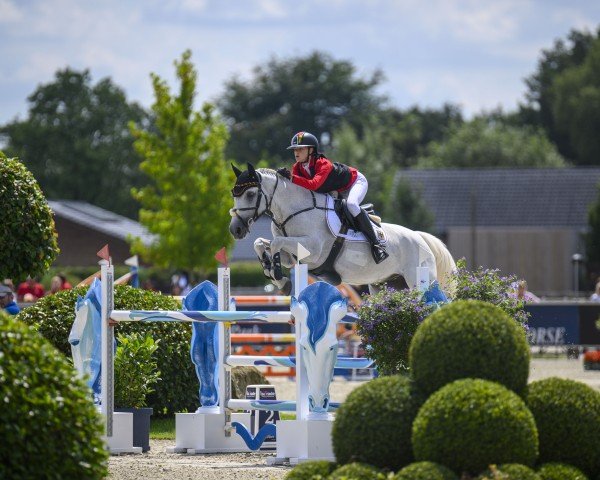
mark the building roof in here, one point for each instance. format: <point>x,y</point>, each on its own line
<point>99,219</point>
<point>558,197</point>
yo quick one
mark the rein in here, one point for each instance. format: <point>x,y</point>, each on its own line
<point>267,211</point>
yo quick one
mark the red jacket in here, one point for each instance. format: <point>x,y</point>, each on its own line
<point>324,176</point>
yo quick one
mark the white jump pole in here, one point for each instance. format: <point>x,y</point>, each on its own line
<point>300,283</point>
<point>107,372</point>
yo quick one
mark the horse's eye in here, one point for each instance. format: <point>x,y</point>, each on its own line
<point>250,195</point>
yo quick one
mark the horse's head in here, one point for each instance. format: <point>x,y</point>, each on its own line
<point>249,201</point>
<point>318,309</point>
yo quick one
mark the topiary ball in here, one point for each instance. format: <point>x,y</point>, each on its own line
<point>357,471</point>
<point>425,471</point>
<point>28,244</point>
<point>374,424</point>
<point>47,412</point>
<point>472,423</point>
<point>316,469</point>
<point>509,471</point>
<point>567,414</point>
<point>469,339</point>
<point>560,471</point>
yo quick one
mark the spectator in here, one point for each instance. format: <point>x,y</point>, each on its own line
<point>523,294</point>
<point>596,295</point>
<point>65,285</point>
<point>7,300</point>
<point>30,291</point>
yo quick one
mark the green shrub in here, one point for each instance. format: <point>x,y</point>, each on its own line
<point>560,471</point>
<point>469,339</point>
<point>28,238</point>
<point>509,471</point>
<point>357,471</point>
<point>567,414</point>
<point>374,424</point>
<point>471,423</point>
<point>387,322</point>
<point>48,424</point>
<point>135,370</point>
<point>315,470</point>
<point>488,286</point>
<point>53,316</point>
<point>425,471</point>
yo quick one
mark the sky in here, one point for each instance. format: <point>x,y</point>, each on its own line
<point>475,54</point>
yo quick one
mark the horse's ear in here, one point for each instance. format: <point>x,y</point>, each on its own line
<point>251,170</point>
<point>236,170</point>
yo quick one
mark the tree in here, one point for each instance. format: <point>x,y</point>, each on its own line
<point>539,109</point>
<point>76,142</point>
<point>576,106</point>
<point>28,243</point>
<point>481,143</point>
<point>185,204</point>
<point>313,93</point>
<point>407,208</point>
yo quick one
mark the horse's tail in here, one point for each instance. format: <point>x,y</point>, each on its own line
<point>443,261</point>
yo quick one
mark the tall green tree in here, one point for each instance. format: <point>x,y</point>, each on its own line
<point>481,143</point>
<point>406,207</point>
<point>539,109</point>
<point>313,93</point>
<point>187,202</point>
<point>576,107</point>
<point>76,142</point>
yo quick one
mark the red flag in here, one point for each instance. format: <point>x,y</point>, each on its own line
<point>221,256</point>
<point>103,253</point>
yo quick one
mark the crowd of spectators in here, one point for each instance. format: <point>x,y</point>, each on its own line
<point>29,291</point>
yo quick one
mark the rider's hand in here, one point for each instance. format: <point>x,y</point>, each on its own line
<point>284,172</point>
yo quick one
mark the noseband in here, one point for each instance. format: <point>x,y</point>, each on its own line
<point>235,192</point>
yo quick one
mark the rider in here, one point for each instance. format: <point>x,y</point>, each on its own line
<point>314,171</point>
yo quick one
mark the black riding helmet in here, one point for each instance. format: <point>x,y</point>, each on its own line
<point>304,139</point>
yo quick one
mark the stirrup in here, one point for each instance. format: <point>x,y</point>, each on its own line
<point>379,253</point>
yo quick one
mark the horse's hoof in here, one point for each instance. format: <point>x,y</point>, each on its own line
<point>287,288</point>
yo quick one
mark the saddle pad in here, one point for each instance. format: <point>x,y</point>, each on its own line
<point>335,224</point>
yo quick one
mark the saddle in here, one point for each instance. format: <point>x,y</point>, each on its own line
<point>326,271</point>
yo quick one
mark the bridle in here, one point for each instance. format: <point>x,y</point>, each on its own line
<point>261,193</point>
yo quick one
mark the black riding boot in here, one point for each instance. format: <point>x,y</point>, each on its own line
<point>366,227</point>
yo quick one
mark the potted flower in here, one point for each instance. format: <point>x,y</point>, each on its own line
<point>591,360</point>
<point>135,373</point>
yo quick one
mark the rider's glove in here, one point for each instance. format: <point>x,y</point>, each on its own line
<point>284,172</point>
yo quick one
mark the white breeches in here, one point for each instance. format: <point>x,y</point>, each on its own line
<point>356,194</point>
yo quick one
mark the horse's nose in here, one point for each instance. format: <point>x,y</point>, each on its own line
<point>325,403</point>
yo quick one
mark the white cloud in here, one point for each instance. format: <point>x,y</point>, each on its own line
<point>9,12</point>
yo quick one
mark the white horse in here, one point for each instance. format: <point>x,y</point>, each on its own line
<point>299,216</point>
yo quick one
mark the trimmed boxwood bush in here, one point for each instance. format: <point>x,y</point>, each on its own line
<point>560,471</point>
<point>177,391</point>
<point>567,414</point>
<point>469,339</point>
<point>472,423</point>
<point>28,243</point>
<point>314,470</point>
<point>509,471</point>
<point>425,471</point>
<point>357,471</point>
<point>374,424</point>
<point>48,425</point>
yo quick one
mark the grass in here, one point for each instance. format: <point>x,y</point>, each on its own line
<point>162,428</point>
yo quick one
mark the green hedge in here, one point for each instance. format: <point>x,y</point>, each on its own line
<point>560,471</point>
<point>425,471</point>
<point>48,425</point>
<point>177,391</point>
<point>374,424</point>
<point>28,243</point>
<point>567,414</point>
<point>509,471</point>
<point>469,339</point>
<point>357,471</point>
<point>472,423</point>
<point>314,470</point>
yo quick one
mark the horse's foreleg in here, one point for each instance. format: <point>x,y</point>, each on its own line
<point>262,249</point>
<point>272,264</point>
